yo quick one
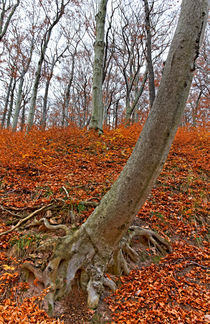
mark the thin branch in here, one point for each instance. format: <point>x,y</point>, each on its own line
<point>25,219</point>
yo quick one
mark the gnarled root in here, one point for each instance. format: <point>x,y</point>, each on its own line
<point>119,265</point>
<point>77,258</point>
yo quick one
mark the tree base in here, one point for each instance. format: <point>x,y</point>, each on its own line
<point>76,258</point>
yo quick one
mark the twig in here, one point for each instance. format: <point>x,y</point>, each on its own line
<point>25,219</point>
<point>198,265</point>
<point>89,203</point>
<point>66,191</point>
<point>9,211</point>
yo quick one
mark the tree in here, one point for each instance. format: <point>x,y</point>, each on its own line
<point>96,121</point>
<point>149,52</point>
<point>25,58</point>
<point>6,13</point>
<point>49,74</point>
<point>45,41</point>
<point>101,240</point>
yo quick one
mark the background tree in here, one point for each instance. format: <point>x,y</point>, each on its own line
<point>7,10</point>
<point>149,51</point>
<point>96,121</point>
<point>99,241</point>
<point>51,23</point>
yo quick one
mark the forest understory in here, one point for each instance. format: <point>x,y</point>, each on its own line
<point>60,175</point>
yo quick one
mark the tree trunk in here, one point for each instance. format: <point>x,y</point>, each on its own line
<point>96,121</point>
<point>149,54</point>
<point>100,240</point>
<point>45,41</point>
<point>11,104</point>
<point>130,108</point>
<point>6,102</point>
<point>65,117</point>
<point>195,109</point>
<point>22,123</point>
<point>18,103</point>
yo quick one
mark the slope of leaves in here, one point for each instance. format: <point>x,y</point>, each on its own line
<point>34,167</point>
<point>69,166</point>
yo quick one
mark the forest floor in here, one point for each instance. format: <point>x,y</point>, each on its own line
<point>61,174</point>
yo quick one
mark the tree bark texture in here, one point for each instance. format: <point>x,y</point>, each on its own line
<point>96,121</point>
<point>149,54</point>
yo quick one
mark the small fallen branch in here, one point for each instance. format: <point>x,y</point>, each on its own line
<point>66,191</point>
<point>25,219</point>
<point>197,265</point>
<point>89,203</point>
<point>10,212</point>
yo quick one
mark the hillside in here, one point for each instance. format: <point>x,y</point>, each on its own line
<point>62,174</point>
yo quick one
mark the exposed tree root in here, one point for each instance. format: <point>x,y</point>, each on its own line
<point>76,257</point>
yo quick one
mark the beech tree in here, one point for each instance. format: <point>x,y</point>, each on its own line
<point>102,240</point>
<point>96,121</point>
<point>149,52</point>
<point>51,23</point>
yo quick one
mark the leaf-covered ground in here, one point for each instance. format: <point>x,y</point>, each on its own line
<point>68,171</point>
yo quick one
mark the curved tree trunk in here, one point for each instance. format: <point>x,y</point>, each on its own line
<point>99,242</point>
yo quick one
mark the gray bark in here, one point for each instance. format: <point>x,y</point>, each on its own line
<point>65,117</point>
<point>18,104</point>
<point>149,53</point>
<point>11,103</point>
<point>6,102</point>
<point>96,121</point>
<point>20,88</point>
<point>129,192</point>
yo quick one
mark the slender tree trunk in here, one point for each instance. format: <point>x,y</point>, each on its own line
<point>65,119</point>
<point>22,123</point>
<point>96,121</point>
<point>44,45</point>
<point>130,108</point>
<point>35,90</point>
<point>11,104</point>
<point>116,114</point>
<point>195,109</point>
<point>149,54</point>
<point>18,104</point>
<point>6,102</point>
<point>44,112</point>
<point>90,249</point>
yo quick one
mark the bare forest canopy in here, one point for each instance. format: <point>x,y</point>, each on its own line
<point>47,55</point>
